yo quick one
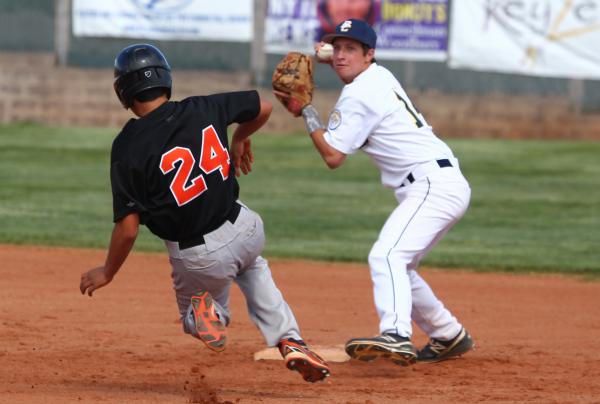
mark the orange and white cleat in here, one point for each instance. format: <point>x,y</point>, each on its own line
<point>209,328</point>
<point>298,357</point>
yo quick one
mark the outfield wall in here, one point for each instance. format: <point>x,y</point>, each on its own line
<point>34,89</point>
<point>29,26</point>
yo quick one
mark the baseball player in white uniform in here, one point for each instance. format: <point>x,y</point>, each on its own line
<point>375,115</point>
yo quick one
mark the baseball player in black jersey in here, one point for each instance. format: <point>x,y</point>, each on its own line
<point>172,169</point>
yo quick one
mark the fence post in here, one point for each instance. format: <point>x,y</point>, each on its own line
<point>408,77</point>
<point>257,51</point>
<point>62,33</point>
<point>576,95</point>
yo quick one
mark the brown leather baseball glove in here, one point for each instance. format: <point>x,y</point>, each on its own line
<point>293,82</point>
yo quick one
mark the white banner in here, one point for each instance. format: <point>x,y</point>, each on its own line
<point>556,38</point>
<point>225,20</point>
<point>291,25</point>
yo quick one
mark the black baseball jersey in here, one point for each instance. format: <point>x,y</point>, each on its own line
<point>173,167</point>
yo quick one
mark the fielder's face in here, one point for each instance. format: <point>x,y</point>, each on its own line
<point>349,59</point>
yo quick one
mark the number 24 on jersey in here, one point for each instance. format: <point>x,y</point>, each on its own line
<point>213,156</point>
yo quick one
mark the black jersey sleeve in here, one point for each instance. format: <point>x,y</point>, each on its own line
<point>239,106</point>
<point>124,201</point>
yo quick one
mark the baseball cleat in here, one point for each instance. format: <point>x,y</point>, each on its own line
<point>298,357</point>
<point>389,346</point>
<point>437,350</point>
<point>210,329</point>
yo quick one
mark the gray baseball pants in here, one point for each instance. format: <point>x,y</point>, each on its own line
<point>230,254</point>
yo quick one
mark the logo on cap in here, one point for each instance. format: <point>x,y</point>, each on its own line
<point>346,25</point>
<point>148,73</point>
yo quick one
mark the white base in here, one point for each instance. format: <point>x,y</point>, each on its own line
<point>329,353</point>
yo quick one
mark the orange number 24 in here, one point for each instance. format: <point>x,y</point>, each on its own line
<point>213,156</point>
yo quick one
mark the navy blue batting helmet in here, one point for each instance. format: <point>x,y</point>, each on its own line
<point>138,68</point>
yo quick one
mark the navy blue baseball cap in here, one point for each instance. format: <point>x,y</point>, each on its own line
<point>358,30</point>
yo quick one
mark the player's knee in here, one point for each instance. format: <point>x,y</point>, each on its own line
<point>373,259</point>
<point>377,257</point>
<point>380,257</point>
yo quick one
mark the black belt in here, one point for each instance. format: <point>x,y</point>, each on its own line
<point>442,163</point>
<point>232,216</point>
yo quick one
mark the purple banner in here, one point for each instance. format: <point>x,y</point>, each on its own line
<point>413,27</point>
<point>406,29</point>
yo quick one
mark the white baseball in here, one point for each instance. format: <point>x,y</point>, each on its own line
<point>325,52</point>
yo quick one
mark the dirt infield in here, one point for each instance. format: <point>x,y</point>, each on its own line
<point>538,338</point>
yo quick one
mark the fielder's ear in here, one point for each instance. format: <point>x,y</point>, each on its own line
<point>371,54</point>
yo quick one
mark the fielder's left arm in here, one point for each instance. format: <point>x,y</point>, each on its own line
<point>293,86</point>
<point>332,157</point>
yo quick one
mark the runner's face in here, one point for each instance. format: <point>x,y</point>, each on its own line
<point>349,59</point>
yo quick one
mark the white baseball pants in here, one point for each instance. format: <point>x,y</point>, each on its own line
<point>427,209</point>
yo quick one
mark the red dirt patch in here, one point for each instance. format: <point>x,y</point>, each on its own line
<point>538,337</point>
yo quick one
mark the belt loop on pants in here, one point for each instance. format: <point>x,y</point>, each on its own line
<point>232,216</point>
<point>423,169</point>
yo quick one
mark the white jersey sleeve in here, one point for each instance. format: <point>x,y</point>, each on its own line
<point>350,123</point>
<point>374,114</point>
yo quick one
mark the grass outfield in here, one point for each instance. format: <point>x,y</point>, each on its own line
<point>535,204</point>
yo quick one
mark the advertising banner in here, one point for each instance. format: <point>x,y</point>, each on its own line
<point>229,20</point>
<point>413,30</point>
<point>555,38</point>
<point>291,25</point>
<point>405,29</point>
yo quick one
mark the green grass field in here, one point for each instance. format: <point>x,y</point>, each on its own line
<point>535,204</point>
